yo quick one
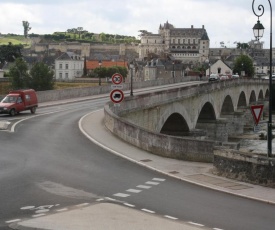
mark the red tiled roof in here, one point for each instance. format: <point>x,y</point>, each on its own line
<point>90,65</point>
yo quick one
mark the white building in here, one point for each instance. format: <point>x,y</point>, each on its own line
<point>68,66</point>
<point>184,44</point>
<point>219,67</point>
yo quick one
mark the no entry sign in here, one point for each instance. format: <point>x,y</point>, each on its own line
<point>117,96</point>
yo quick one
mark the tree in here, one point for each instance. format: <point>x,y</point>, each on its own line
<point>244,63</point>
<point>41,77</point>
<point>18,73</point>
<point>242,46</point>
<point>8,53</point>
<point>27,28</point>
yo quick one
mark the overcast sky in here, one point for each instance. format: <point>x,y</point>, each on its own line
<point>227,21</point>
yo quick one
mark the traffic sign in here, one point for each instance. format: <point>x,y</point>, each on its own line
<point>117,78</point>
<point>117,96</point>
<point>256,111</point>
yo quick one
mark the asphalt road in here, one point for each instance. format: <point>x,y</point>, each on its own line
<point>46,163</point>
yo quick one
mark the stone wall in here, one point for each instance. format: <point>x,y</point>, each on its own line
<point>244,167</point>
<point>182,148</point>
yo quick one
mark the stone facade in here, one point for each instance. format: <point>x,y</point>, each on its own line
<point>244,166</point>
<point>185,44</point>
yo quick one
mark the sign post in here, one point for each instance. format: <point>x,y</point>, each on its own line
<point>117,95</point>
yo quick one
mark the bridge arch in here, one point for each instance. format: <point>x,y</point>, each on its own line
<point>261,95</point>
<point>177,112</point>
<point>227,106</point>
<point>175,125</point>
<point>207,113</point>
<point>241,101</point>
<point>252,98</point>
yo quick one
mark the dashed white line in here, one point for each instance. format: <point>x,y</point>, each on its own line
<point>217,229</point>
<point>152,183</point>
<point>81,205</point>
<point>62,210</point>
<point>108,198</point>
<point>38,215</point>
<point>129,205</point>
<point>12,221</point>
<point>144,186</point>
<point>159,179</point>
<point>134,190</point>
<point>147,210</point>
<point>193,223</point>
<point>27,207</point>
<point>121,195</point>
<point>171,217</point>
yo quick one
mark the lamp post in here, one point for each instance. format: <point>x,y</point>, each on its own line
<point>99,80</point>
<point>207,61</point>
<point>173,69</point>
<point>258,31</point>
<point>131,69</point>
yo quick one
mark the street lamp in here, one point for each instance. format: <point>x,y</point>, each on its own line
<point>173,69</point>
<point>207,61</point>
<point>131,68</point>
<point>99,63</point>
<point>258,31</point>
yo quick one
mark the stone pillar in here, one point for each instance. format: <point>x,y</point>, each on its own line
<point>215,130</point>
<point>235,123</point>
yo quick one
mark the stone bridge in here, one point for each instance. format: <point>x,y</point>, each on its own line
<point>187,122</point>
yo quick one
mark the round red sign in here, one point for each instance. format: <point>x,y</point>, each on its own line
<point>117,96</point>
<point>117,78</point>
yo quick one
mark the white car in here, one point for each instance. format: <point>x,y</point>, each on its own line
<point>214,77</point>
<point>235,76</point>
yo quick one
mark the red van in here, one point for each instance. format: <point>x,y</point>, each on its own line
<point>19,100</point>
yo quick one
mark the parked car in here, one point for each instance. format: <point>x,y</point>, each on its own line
<point>224,77</point>
<point>214,77</point>
<point>19,100</point>
<point>235,76</point>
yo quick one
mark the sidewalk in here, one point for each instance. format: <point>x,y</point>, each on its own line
<point>96,216</point>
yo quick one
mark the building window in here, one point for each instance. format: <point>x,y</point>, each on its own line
<point>66,75</point>
<point>60,75</point>
<point>60,66</point>
<point>178,41</point>
<point>183,41</point>
<point>194,41</point>
<point>67,66</point>
<point>188,41</point>
<point>173,41</point>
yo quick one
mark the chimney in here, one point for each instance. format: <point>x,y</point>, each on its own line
<point>203,26</point>
<point>192,26</point>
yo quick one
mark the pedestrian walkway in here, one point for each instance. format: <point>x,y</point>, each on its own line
<point>104,216</point>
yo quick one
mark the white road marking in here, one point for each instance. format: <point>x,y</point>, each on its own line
<point>133,190</point>
<point>12,221</point>
<point>38,215</point>
<point>121,195</point>
<point>101,199</point>
<point>217,229</point>
<point>81,205</point>
<point>146,210</point>
<point>193,223</point>
<point>42,211</point>
<point>62,210</point>
<point>158,179</point>
<point>108,198</point>
<point>171,217</point>
<point>152,183</point>
<point>144,186</point>
<point>129,205</point>
<point>27,207</point>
